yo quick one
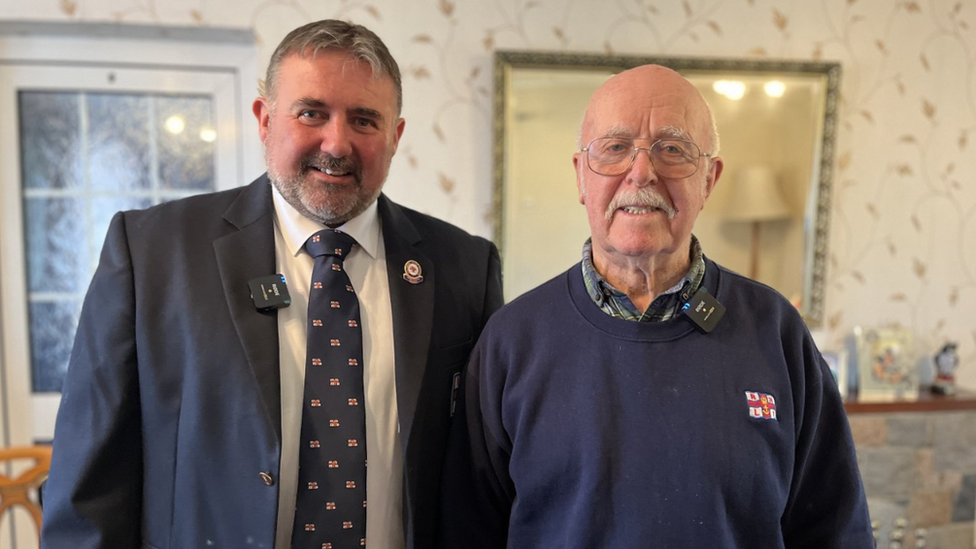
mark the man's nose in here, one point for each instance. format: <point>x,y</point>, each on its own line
<point>641,171</point>
<point>336,138</point>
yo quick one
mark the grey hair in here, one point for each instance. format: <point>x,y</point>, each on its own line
<point>333,35</point>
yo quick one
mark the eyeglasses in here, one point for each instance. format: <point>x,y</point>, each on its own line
<point>671,158</point>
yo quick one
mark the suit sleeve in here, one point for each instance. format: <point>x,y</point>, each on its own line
<point>494,297</point>
<point>827,508</point>
<point>93,496</point>
<point>477,490</point>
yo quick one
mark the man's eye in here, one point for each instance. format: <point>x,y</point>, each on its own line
<point>672,149</point>
<point>364,122</point>
<point>615,147</point>
<point>309,115</point>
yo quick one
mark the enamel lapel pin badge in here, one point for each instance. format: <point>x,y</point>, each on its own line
<point>412,272</point>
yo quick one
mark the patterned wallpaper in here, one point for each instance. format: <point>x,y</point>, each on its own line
<point>903,231</point>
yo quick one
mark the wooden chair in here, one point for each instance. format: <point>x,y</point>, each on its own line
<point>17,490</point>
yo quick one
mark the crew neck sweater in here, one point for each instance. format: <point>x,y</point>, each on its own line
<point>579,429</point>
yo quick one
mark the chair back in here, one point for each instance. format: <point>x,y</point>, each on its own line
<point>17,490</point>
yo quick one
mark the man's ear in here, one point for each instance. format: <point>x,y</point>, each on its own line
<point>580,186</point>
<point>398,133</point>
<point>714,173</point>
<point>262,111</point>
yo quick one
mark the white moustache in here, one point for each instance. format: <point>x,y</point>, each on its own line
<point>644,197</point>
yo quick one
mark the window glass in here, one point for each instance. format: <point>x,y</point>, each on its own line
<point>85,156</point>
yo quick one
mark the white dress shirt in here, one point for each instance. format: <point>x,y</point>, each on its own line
<point>366,267</point>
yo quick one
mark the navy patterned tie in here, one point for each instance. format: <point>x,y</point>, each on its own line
<point>330,511</point>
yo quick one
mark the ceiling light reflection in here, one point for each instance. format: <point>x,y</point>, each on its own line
<point>774,88</point>
<point>733,89</point>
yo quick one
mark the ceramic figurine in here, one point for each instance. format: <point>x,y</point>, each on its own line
<point>945,365</point>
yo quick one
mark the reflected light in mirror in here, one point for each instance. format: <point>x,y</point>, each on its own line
<point>774,88</point>
<point>208,134</point>
<point>732,89</point>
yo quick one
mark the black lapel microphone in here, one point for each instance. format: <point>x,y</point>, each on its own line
<point>269,292</point>
<point>703,310</point>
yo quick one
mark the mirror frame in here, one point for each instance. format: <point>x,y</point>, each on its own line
<point>815,244</point>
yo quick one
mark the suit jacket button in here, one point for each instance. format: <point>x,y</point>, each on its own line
<point>268,479</point>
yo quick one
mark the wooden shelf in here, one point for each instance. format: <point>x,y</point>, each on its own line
<point>927,402</point>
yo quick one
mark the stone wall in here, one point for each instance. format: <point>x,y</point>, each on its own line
<point>920,466</point>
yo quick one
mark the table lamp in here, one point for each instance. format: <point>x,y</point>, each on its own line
<point>755,198</point>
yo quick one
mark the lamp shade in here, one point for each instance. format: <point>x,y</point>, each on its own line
<point>755,196</point>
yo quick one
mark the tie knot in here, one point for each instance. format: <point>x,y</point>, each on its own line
<point>329,242</point>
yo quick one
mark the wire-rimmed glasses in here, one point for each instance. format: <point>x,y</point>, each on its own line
<point>671,158</point>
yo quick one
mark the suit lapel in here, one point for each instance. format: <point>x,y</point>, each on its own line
<point>242,255</point>
<point>413,310</point>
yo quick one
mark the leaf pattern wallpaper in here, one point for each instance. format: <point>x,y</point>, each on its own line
<point>903,226</point>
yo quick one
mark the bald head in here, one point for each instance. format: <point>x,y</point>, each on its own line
<point>642,90</point>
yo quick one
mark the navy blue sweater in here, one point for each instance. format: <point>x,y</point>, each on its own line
<point>581,430</point>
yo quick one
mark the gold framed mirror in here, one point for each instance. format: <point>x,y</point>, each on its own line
<point>769,214</point>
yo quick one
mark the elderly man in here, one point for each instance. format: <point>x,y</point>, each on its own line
<point>615,405</point>
<point>203,407</point>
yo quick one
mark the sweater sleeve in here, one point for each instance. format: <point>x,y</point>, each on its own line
<point>827,507</point>
<point>477,490</point>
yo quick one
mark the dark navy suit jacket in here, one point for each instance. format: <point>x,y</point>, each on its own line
<point>169,430</point>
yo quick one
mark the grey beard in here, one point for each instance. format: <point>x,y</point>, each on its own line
<point>340,208</point>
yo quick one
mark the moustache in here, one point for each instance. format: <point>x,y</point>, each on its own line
<point>331,165</point>
<point>643,197</point>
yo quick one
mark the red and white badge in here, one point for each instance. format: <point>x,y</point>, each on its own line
<point>412,272</point>
<point>761,405</point>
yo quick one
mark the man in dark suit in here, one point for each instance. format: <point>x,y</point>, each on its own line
<point>182,410</point>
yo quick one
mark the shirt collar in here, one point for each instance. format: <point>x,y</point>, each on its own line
<point>616,303</point>
<point>296,228</point>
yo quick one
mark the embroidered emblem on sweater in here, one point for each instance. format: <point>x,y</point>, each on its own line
<point>761,405</point>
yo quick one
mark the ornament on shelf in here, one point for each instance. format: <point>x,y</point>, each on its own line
<point>946,362</point>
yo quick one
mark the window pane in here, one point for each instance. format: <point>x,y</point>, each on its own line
<point>56,242</point>
<point>85,157</point>
<point>103,209</point>
<point>118,142</point>
<point>184,129</point>
<point>52,332</point>
<point>50,140</point>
